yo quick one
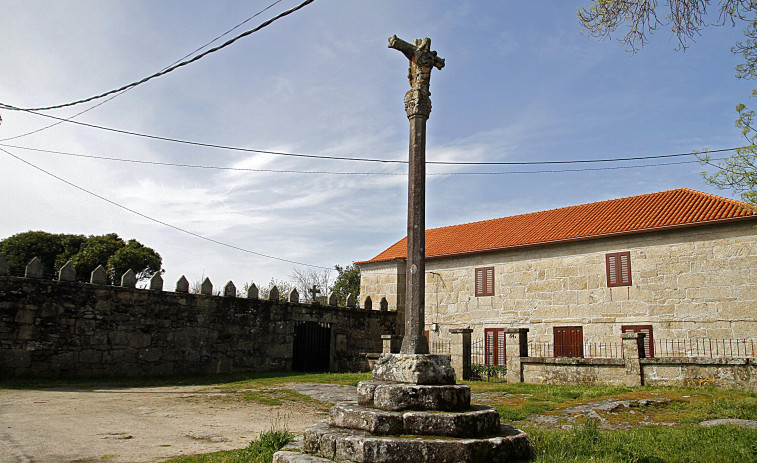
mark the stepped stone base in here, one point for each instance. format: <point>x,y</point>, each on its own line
<point>295,457</point>
<point>397,396</point>
<point>478,421</point>
<point>414,369</point>
<point>357,446</point>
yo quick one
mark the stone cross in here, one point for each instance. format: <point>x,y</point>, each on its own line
<point>314,291</point>
<point>418,108</point>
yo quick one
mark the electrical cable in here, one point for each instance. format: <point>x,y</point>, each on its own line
<point>291,171</point>
<point>171,68</point>
<point>166,67</point>
<point>384,161</point>
<point>196,235</point>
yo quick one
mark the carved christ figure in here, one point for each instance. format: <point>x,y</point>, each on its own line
<point>422,60</point>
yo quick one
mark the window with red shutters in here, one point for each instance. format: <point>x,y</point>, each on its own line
<point>484,281</point>
<point>569,341</point>
<point>495,346</point>
<point>648,340</point>
<point>618,268</point>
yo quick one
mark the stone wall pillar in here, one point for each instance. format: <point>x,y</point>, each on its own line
<point>460,352</point>
<point>516,346</point>
<point>391,343</point>
<point>633,348</point>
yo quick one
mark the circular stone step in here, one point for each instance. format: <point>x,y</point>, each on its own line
<point>357,446</point>
<point>478,421</point>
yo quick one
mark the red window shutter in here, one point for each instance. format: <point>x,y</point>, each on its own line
<point>489,277</point>
<point>568,341</point>
<point>484,281</point>
<point>479,281</point>
<point>618,268</point>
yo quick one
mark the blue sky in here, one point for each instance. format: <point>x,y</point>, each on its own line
<point>521,83</point>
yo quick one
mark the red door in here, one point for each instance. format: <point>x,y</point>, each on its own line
<point>495,346</point>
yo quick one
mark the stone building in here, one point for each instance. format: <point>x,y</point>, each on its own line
<point>676,264</point>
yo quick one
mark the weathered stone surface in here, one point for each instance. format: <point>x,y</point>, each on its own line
<point>479,421</point>
<point>252,292</point>
<point>294,296</point>
<point>106,330</point>
<point>350,297</point>
<point>398,396</point>
<point>351,445</point>
<point>296,457</point>
<point>129,279</point>
<point>182,285</point>
<point>34,269</point>
<point>332,299</point>
<point>98,276</point>
<point>414,369</point>
<point>273,294</point>
<point>206,287</point>
<point>156,282</point>
<point>354,416</point>
<point>67,272</point>
<point>230,290</point>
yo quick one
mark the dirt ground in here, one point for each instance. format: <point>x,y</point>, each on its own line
<point>142,424</point>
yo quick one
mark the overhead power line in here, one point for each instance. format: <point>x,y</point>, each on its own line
<point>383,161</point>
<point>169,69</point>
<point>163,69</point>
<point>196,235</point>
<point>294,171</point>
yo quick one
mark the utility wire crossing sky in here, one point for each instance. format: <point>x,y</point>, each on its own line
<point>522,87</point>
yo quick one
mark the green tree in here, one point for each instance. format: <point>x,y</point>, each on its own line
<point>51,249</point>
<point>685,19</point>
<point>144,261</point>
<point>86,253</point>
<point>346,283</point>
<point>96,251</point>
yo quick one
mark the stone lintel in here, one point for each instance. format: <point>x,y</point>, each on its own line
<point>351,445</point>
<point>399,396</point>
<point>479,421</point>
<point>414,369</point>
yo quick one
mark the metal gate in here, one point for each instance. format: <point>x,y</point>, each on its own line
<point>312,346</point>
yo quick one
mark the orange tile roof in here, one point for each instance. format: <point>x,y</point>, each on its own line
<point>666,209</point>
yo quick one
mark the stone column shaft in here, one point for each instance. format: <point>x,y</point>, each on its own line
<point>414,342</point>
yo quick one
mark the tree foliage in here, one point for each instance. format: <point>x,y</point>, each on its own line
<point>346,283</point>
<point>86,253</point>
<point>686,18</point>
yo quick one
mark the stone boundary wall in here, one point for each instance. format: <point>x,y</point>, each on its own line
<point>631,369</point>
<point>688,372</point>
<point>72,329</point>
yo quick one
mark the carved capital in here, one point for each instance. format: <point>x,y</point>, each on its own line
<point>417,103</point>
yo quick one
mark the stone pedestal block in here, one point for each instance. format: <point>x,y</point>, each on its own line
<point>397,397</point>
<point>414,369</point>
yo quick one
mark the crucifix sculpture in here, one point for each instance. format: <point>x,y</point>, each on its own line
<point>418,109</point>
<point>314,291</point>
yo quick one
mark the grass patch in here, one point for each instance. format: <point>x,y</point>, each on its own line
<point>231,380</point>
<point>260,450</point>
<point>647,444</point>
